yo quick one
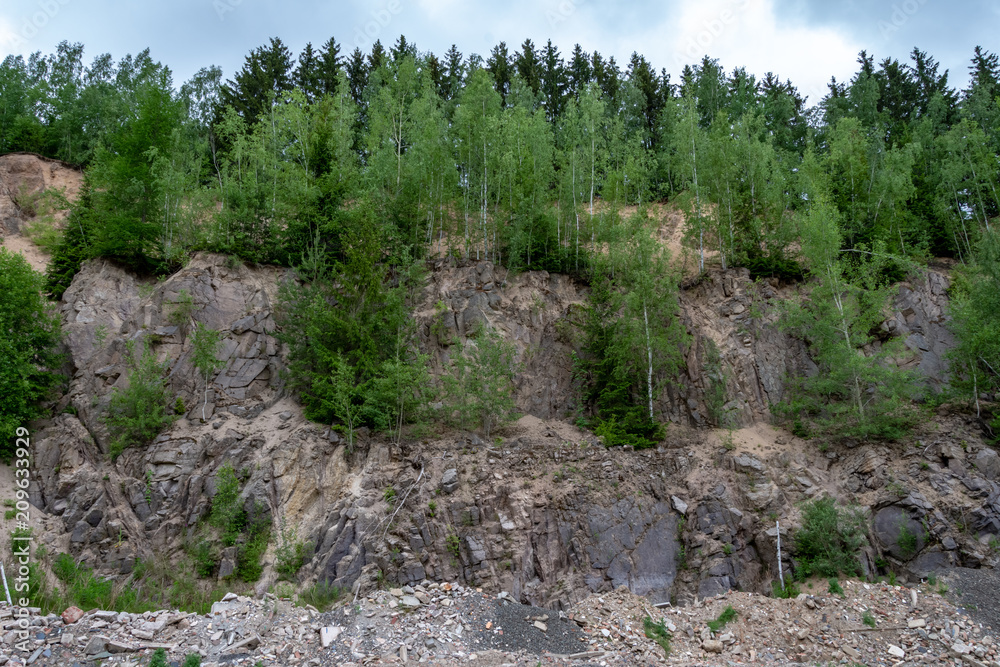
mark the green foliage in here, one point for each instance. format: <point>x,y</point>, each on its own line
<point>828,542</point>
<point>834,587</point>
<point>205,344</point>
<point>481,385</point>
<point>181,311</point>
<point>249,531</point>
<point>658,633</point>
<point>352,358</point>
<point>206,558</point>
<point>321,595</point>
<point>854,394</point>
<point>28,347</point>
<point>250,552</point>
<point>868,619</point>
<point>632,338</point>
<point>975,309</point>
<point>789,592</point>
<point>290,554</point>
<point>725,617</point>
<point>159,658</point>
<point>191,660</point>
<point>454,545</point>
<point>227,516</point>
<point>138,412</point>
<point>907,541</point>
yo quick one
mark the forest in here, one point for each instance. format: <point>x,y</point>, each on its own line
<point>354,168</point>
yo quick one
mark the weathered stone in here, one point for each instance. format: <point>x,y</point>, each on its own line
<point>712,646</point>
<point>477,552</point>
<point>328,635</point>
<point>227,563</point>
<point>988,463</point>
<point>97,644</point>
<point>449,481</point>
<point>898,533</point>
<point>71,615</point>
<point>748,463</point>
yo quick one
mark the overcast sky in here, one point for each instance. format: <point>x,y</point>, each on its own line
<point>805,41</point>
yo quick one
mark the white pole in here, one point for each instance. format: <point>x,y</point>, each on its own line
<point>781,575</point>
<point>5,589</point>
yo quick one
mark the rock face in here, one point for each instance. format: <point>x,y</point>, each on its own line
<point>545,512</point>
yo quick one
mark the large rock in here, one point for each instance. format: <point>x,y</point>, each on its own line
<point>898,532</point>
<point>987,462</point>
<point>635,545</point>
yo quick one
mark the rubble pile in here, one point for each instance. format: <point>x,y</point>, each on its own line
<point>448,624</point>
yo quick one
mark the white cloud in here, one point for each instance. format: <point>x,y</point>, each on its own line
<point>10,40</point>
<point>748,33</point>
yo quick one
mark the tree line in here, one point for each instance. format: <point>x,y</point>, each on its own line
<point>354,167</point>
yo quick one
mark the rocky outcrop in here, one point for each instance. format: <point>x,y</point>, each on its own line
<point>544,512</point>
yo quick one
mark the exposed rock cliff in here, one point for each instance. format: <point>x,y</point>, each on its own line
<point>544,512</point>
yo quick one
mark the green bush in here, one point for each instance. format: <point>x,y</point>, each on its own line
<point>727,616</point>
<point>192,660</point>
<point>206,558</point>
<point>29,335</point>
<point>788,592</point>
<point>480,387</point>
<point>321,595</point>
<point>828,542</point>
<point>291,553</point>
<point>658,633</point>
<point>226,514</point>
<point>249,532</point>
<point>159,658</point>
<point>138,413</point>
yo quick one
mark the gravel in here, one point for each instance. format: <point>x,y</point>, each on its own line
<point>976,591</point>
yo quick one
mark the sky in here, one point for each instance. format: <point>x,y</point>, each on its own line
<point>804,41</point>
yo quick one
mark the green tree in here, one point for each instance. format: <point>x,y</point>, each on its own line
<point>204,355</point>
<point>29,338</point>
<point>975,311</point>
<point>853,394</point>
<point>481,383</point>
<point>137,412</point>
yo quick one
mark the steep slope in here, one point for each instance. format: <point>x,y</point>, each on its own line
<point>544,512</point>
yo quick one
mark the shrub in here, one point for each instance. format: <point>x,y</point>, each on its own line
<point>290,554</point>
<point>480,387</point>
<point>321,595</point>
<point>226,514</point>
<point>192,660</point>
<point>828,542</point>
<point>658,633</point>
<point>788,592</point>
<point>834,587</point>
<point>728,615</point>
<point>28,347</point>
<point>159,658</point>
<point>907,541</point>
<point>205,558</point>
<point>138,412</point>
<point>868,619</point>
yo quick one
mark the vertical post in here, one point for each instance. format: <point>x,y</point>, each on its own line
<point>5,589</point>
<point>781,575</point>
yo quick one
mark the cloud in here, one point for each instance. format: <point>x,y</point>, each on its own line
<point>9,37</point>
<point>749,33</point>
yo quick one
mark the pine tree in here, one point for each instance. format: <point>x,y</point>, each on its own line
<point>498,65</point>
<point>329,67</point>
